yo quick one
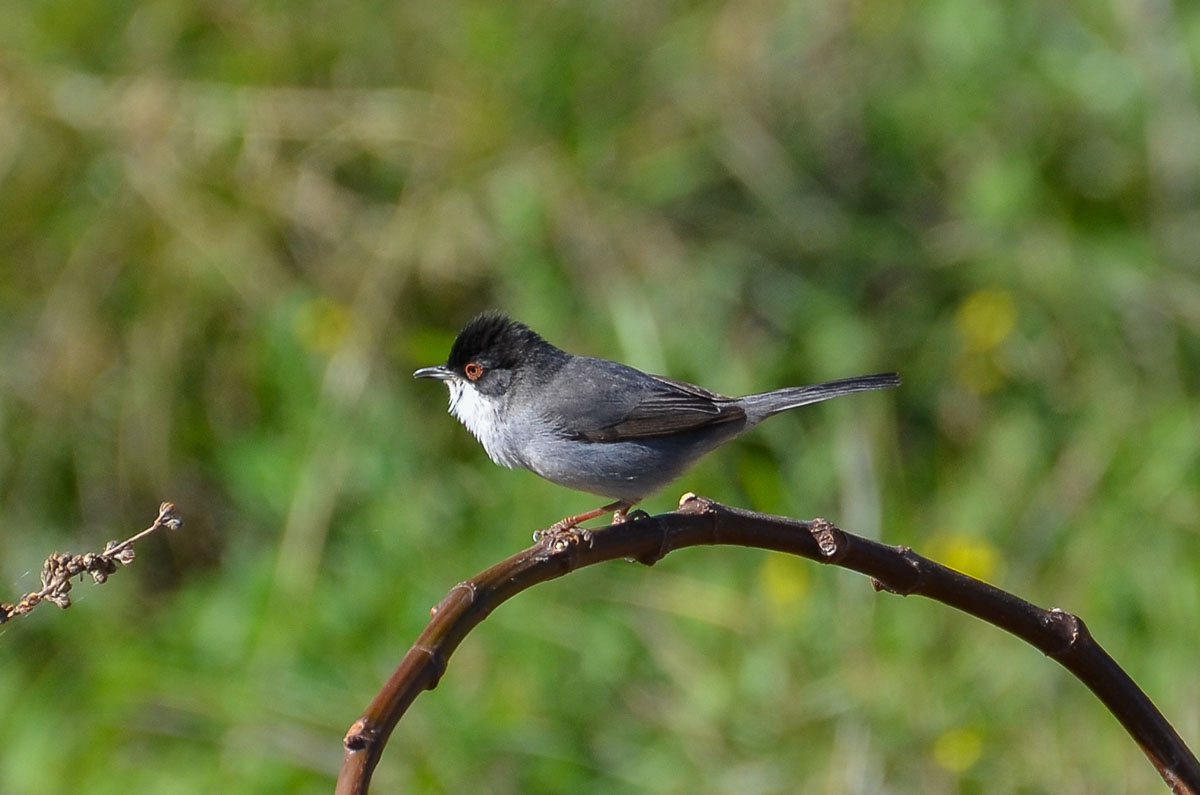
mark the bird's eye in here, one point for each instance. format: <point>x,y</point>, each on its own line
<point>473,370</point>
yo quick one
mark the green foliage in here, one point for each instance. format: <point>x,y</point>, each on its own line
<point>231,233</point>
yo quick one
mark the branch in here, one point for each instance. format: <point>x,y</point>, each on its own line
<point>60,568</point>
<point>899,570</point>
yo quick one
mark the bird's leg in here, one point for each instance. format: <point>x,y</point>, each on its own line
<point>621,513</point>
<point>618,509</point>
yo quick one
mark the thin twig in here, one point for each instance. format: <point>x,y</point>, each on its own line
<point>698,521</point>
<point>59,569</point>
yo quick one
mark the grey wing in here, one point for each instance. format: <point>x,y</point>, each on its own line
<point>628,404</point>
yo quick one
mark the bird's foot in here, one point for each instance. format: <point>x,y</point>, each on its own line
<point>561,527</point>
<point>618,509</point>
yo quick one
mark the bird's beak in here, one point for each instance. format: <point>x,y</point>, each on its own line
<point>439,371</point>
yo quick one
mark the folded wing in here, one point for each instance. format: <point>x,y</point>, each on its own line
<point>626,404</point>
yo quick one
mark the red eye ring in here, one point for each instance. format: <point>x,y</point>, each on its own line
<point>473,370</point>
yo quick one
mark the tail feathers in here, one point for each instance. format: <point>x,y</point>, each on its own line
<point>766,404</point>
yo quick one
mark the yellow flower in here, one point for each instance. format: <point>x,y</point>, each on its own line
<point>958,749</point>
<point>786,581</point>
<point>972,556</point>
<point>986,319</point>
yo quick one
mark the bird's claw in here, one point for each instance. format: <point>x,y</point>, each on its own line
<point>559,535</point>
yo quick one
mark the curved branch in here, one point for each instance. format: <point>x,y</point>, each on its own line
<point>1060,635</point>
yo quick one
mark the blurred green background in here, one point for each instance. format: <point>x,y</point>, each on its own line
<point>229,233</point>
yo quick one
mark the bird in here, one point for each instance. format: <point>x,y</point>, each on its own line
<point>596,425</point>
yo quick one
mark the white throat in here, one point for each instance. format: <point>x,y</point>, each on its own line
<point>481,416</point>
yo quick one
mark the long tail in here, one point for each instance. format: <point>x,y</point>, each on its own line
<point>766,404</point>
